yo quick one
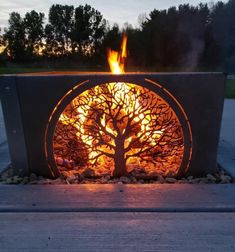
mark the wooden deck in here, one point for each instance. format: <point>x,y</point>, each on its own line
<point>117,218</point>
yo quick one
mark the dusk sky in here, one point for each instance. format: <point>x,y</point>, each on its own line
<point>114,11</point>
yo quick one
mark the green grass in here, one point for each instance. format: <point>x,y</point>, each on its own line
<point>230,89</point>
<point>16,70</point>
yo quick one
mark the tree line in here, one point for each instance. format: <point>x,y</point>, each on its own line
<point>183,38</point>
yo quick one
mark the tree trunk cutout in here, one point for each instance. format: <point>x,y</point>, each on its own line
<point>116,125</point>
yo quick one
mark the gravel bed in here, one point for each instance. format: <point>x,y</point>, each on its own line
<point>221,177</point>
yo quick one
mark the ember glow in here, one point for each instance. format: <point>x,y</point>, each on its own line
<point>116,59</point>
<point>118,129</point>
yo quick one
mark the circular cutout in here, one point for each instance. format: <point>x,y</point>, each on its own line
<point>119,129</point>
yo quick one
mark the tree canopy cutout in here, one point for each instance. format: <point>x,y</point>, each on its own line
<point>116,128</point>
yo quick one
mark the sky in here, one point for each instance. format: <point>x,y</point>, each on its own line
<point>115,11</point>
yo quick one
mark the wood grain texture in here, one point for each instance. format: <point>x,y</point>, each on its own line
<point>126,232</point>
<point>114,198</point>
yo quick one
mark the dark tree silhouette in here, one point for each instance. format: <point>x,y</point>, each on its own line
<point>223,27</point>
<point>15,37</point>
<point>185,38</point>
<point>123,121</point>
<point>34,32</point>
<point>60,28</point>
<point>88,30</point>
<point>2,42</point>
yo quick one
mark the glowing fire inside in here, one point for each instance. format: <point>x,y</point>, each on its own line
<point>118,129</point>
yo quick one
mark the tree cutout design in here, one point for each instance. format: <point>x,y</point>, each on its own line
<point>118,125</point>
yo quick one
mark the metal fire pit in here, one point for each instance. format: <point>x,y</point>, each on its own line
<point>32,104</point>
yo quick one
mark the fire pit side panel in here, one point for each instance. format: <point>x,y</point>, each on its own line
<point>38,97</point>
<point>14,125</point>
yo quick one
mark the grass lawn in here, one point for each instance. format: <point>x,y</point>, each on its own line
<point>15,70</point>
<point>230,87</point>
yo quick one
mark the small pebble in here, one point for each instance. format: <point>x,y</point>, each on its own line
<point>220,177</point>
<point>124,179</point>
<point>88,173</point>
<point>160,179</point>
<point>190,177</point>
<point>71,178</point>
<point>225,179</point>
<point>171,180</point>
<point>9,181</point>
<point>33,177</point>
<point>210,177</point>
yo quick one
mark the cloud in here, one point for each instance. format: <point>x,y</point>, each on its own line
<point>112,10</point>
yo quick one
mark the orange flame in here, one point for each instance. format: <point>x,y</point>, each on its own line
<point>117,59</point>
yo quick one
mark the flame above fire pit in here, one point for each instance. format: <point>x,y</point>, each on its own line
<point>117,60</point>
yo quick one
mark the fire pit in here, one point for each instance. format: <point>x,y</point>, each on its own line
<point>135,123</point>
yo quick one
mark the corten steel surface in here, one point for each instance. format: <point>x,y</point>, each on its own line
<point>29,103</point>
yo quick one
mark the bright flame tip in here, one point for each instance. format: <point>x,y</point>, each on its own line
<point>116,59</point>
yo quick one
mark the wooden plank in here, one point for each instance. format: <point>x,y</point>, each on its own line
<point>126,232</point>
<point>113,198</point>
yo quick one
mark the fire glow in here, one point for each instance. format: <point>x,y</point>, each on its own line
<point>115,128</point>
